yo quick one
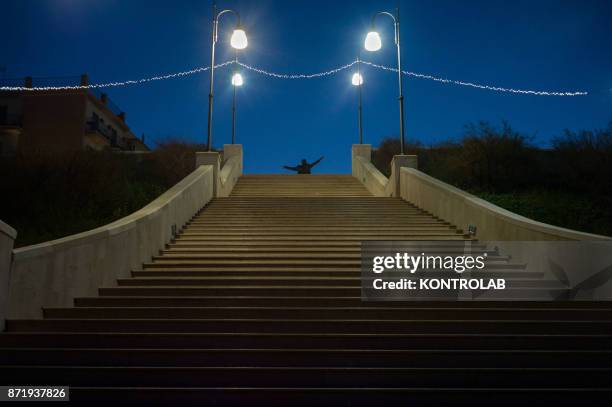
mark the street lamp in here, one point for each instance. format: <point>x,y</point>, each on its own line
<point>357,80</point>
<point>238,41</point>
<point>236,81</point>
<point>374,43</point>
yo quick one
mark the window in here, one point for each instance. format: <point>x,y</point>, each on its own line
<point>113,134</point>
<point>3,114</point>
<point>94,121</point>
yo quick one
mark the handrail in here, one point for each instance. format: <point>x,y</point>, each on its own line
<point>464,210</point>
<point>228,167</point>
<point>226,174</point>
<point>371,177</point>
<point>7,230</point>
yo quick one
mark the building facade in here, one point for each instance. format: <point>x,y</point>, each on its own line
<point>63,120</point>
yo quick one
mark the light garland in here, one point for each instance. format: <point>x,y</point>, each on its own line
<point>297,76</point>
<point>476,85</point>
<point>116,84</point>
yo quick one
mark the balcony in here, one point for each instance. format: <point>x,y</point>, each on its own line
<point>95,125</point>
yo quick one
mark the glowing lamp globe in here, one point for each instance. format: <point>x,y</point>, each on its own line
<point>372,41</point>
<point>357,79</point>
<point>239,39</point>
<point>237,80</point>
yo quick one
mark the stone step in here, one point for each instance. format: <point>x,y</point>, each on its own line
<point>300,251</point>
<point>302,272</point>
<point>440,326</point>
<point>240,229</point>
<point>345,396</point>
<point>291,281</point>
<point>310,290</point>
<point>314,262</point>
<point>288,340</point>
<point>311,301</point>
<point>288,312</point>
<point>260,232</point>
<point>326,238</point>
<point>399,358</point>
<point>326,245</point>
<point>296,377</point>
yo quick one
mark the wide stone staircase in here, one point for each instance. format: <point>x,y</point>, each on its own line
<point>257,301</point>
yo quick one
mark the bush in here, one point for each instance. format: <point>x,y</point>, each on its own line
<point>557,207</point>
<point>569,185</point>
<point>495,159</point>
<point>487,158</point>
<point>51,195</point>
<point>382,156</point>
<point>174,159</point>
<point>583,161</point>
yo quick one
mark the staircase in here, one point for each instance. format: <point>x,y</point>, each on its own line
<point>258,301</point>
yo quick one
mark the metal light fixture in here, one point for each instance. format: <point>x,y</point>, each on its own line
<point>357,80</point>
<point>237,79</point>
<point>373,42</point>
<point>238,41</point>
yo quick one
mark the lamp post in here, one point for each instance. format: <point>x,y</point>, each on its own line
<point>357,80</point>
<point>236,81</point>
<point>237,41</point>
<point>374,43</point>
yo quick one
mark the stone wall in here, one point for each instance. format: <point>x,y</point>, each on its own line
<point>7,239</point>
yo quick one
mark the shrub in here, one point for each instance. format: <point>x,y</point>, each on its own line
<point>383,154</point>
<point>50,195</point>
<point>495,159</point>
<point>174,159</point>
<point>569,185</point>
<point>583,160</point>
<point>487,158</point>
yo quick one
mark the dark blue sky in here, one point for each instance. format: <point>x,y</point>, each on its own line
<point>558,45</point>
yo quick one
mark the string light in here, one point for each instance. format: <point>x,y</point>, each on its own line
<point>300,76</point>
<point>476,85</point>
<point>416,75</point>
<point>116,84</point>
<point>297,76</point>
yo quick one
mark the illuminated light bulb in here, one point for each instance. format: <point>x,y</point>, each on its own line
<point>237,80</point>
<point>357,79</point>
<point>239,39</point>
<point>372,41</point>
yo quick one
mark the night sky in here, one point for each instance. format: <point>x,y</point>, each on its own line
<point>543,45</point>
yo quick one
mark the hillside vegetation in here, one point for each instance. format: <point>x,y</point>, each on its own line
<point>568,185</point>
<point>47,196</point>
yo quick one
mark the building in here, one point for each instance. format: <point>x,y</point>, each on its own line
<point>61,120</point>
